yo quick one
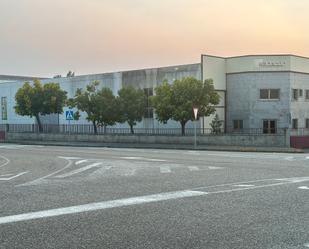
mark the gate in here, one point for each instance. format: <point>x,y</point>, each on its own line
<point>2,136</point>
<point>300,142</point>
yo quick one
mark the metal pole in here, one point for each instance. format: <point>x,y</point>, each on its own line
<point>195,134</point>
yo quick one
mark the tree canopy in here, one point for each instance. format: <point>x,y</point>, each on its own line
<point>131,105</point>
<point>176,101</point>
<point>98,103</point>
<point>37,99</point>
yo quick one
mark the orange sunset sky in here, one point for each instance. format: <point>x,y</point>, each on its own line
<point>49,37</point>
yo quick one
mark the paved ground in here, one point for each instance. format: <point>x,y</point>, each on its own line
<point>66,197</point>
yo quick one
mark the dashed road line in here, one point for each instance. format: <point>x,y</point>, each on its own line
<point>193,168</point>
<point>165,169</point>
<point>303,187</point>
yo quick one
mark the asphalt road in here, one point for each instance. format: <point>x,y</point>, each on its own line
<point>67,197</point>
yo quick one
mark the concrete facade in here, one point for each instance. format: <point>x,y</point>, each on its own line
<point>238,80</point>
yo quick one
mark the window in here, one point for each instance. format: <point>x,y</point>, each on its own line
<point>269,93</point>
<point>295,94</point>
<point>307,123</point>
<point>307,94</point>
<point>300,92</point>
<point>294,123</point>
<point>148,109</point>
<point>269,126</point>
<point>4,112</point>
<point>238,124</point>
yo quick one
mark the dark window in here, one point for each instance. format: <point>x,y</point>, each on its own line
<point>307,94</point>
<point>238,124</point>
<point>300,92</point>
<point>295,123</point>
<point>269,126</point>
<point>148,109</point>
<point>295,94</point>
<point>269,93</point>
<point>307,123</point>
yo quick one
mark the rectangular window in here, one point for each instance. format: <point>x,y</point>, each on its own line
<point>294,123</point>
<point>295,94</point>
<point>238,124</point>
<point>300,92</point>
<point>4,112</point>
<point>269,93</point>
<point>307,94</point>
<point>307,123</point>
<point>148,109</point>
<point>269,126</point>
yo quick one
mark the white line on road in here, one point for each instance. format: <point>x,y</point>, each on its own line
<point>165,169</point>
<point>101,206</point>
<point>304,187</point>
<point>7,161</point>
<point>12,177</point>
<point>244,185</point>
<point>81,161</point>
<point>38,180</point>
<point>143,159</point>
<point>306,245</point>
<point>74,172</point>
<point>193,168</point>
<point>213,167</point>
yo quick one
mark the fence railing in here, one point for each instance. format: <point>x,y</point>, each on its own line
<point>89,129</point>
<point>300,132</point>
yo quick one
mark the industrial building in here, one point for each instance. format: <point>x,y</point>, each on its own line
<point>265,92</point>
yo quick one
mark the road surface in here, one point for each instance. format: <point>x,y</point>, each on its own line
<point>75,197</point>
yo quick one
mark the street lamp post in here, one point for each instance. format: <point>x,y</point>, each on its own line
<point>195,111</point>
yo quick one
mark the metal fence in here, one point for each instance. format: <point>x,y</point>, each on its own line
<point>89,129</point>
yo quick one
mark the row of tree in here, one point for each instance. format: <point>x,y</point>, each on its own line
<point>172,101</point>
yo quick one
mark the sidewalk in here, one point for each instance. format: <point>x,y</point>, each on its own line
<point>166,146</point>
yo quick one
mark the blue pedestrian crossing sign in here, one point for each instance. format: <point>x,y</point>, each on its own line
<point>69,115</point>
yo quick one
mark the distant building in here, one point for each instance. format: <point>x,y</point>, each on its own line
<point>257,91</point>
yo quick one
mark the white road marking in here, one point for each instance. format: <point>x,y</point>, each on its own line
<point>213,167</point>
<point>307,158</point>
<point>306,245</point>
<point>193,168</point>
<point>143,159</point>
<point>6,175</point>
<point>39,180</point>
<point>304,187</point>
<point>77,171</point>
<point>100,171</point>
<point>101,206</point>
<point>244,185</point>
<point>7,161</point>
<point>81,161</point>
<point>69,158</point>
<point>165,169</point>
<point>289,158</point>
<point>12,177</point>
<point>141,200</point>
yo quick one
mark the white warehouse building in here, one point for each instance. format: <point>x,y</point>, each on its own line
<point>265,92</point>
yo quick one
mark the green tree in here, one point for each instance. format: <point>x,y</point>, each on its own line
<point>37,99</point>
<point>216,124</point>
<point>99,104</point>
<point>131,104</point>
<point>176,101</point>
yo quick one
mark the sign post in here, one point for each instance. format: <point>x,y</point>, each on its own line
<point>69,115</point>
<point>195,111</point>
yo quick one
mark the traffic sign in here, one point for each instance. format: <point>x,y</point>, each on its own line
<point>195,110</point>
<point>69,115</point>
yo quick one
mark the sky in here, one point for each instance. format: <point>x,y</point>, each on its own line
<point>49,37</point>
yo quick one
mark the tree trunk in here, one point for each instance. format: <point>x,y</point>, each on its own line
<point>183,126</point>
<point>95,127</point>
<point>131,128</point>
<point>39,122</point>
